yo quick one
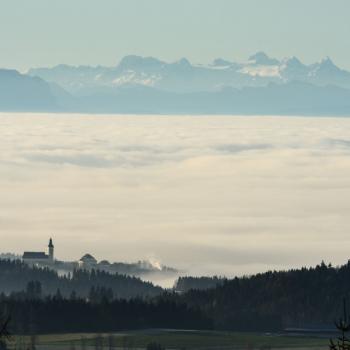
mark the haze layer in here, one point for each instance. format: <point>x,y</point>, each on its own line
<point>210,195</point>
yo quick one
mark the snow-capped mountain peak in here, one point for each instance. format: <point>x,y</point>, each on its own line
<point>132,62</point>
<point>260,58</point>
<point>183,62</point>
<point>220,62</point>
<point>325,69</point>
<point>183,76</point>
<point>292,62</point>
<point>292,68</point>
<point>327,62</point>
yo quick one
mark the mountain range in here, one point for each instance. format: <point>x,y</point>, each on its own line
<point>261,85</point>
<point>184,77</point>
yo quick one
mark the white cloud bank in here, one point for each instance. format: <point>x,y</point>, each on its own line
<point>223,195</point>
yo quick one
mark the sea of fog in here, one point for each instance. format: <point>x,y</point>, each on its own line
<point>206,194</point>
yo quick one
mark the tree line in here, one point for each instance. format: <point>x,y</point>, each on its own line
<point>271,301</point>
<point>57,314</point>
<point>275,300</point>
<point>15,276</point>
<point>186,283</point>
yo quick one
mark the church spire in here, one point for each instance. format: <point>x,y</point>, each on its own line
<point>51,250</point>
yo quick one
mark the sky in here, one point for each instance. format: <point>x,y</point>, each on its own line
<point>208,195</point>
<point>36,33</point>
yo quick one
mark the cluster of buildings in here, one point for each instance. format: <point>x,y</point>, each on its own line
<point>44,259</point>
<point>146,270</point>
<point>88,262</point>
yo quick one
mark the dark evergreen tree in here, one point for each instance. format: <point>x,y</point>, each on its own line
<point>34,290</point>
<point>343,326</point>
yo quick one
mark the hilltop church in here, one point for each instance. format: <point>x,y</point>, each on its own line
<point>87,262</point>
<point>40,258</point>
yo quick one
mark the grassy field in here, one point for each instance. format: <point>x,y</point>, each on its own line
<point>171,339</point>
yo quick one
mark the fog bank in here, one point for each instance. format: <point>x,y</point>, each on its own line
<point>208,195</point>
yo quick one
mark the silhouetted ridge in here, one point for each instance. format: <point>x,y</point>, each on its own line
<point>15,275</point>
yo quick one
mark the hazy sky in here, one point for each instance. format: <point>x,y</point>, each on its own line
<point>47,32</point>
<point>210,195</point>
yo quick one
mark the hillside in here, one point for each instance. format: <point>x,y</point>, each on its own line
<point>271,301</point>
<point>15,276</point>
<point>22,93</point>
<point>275,300</point>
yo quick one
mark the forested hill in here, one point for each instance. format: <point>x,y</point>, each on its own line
<point>271,301</point>
<point>15,276</point>
<point>275,300</point>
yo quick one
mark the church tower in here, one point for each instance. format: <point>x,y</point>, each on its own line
<point>51,249</point>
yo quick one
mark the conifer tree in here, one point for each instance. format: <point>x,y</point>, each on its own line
<point>343,325</point>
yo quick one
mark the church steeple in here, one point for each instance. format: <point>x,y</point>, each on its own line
<point>51,250</point>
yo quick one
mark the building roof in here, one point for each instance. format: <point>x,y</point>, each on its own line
<point>88,258</point>
<point>34,255</point>
<point>104,262</point>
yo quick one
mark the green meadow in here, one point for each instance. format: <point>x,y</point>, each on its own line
<point>171,339</point>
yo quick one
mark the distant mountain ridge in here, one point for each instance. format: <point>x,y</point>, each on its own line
<point>19,92</point>
<point>182,76</point>
<point>143,85</point>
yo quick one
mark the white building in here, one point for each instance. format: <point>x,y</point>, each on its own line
<point>87,262</point>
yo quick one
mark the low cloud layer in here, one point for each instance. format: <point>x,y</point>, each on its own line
<point>209,195</point>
